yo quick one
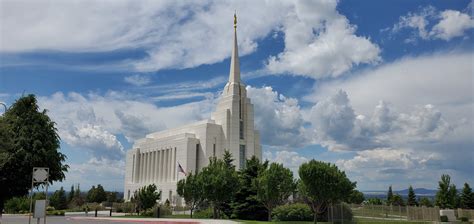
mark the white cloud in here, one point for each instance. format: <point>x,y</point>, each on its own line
<point>320,42</point>
<point>177,35</point>
<point>137,80</point>
<point>93,121</point>
<point>448,24</point>
<point>289,159</point>
<point>452,24</point>
<point>278,118</point>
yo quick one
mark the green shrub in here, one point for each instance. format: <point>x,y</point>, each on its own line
<point>443,218</point>
<point>49,208</point>
<point>464,219</point>
<point>17,204</point>
<point>165,210</point>
<point>292,212</point>
<point>338,213</point>
<point>55,212</point>
<point>203,214</point>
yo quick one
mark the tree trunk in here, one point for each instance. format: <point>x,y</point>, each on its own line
<point>191,213</point>
<point>2,205</point>
<point>315,217</point>
<point>269,215</point>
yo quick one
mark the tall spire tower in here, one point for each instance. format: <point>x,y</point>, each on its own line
<point>234,113</point>
<point>234,75</point>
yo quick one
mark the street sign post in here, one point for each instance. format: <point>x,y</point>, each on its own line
<point>40,175</point>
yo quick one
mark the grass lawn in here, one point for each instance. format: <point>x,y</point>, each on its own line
<point>357,220</point>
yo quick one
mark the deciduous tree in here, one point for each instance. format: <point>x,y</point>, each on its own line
<point>191,190</point>
<point>33,142</point>
<point>274,185</point>
<point>147,196</point>
<point>321,184</point>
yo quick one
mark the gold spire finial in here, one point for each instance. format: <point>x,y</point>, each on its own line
<point>235,19</point>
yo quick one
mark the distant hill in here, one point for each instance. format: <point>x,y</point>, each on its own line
<point>382,194</point>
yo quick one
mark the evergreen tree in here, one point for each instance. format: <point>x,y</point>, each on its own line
<point>245,205</point>
<point>77,193</point>
<point>397,200</point>
<point>91,195</point>
<point>71,194</point>
<point>101,195</point>
<point>411,201</point>
<point>467,197</point>
<point>389,195</point>
<point>446,197</point>
<point>58,200</point>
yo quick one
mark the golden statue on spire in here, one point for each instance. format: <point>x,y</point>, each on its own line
<point>235,19</point>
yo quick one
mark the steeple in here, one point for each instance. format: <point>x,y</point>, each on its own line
<point>234,76</point>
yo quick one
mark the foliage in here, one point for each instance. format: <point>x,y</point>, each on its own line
<point>374,201</point>
<point>292,212</point>
<point>96,194</point>
<point>446,197</point>
<point>356,197</point>
<point>112,196</point>
<point>397,200</point>
<point>389,195</point>
<point>411,201</point>
<point>464,219</point>
<point>146,197</point>
<point>323,183</point>
<point>218,182</point>
<point>58,200</point>
<point>190,189</point>
<point>424,201</point>
<point>17,205</point>
<point>245,204</point>
<point>467,197</point>
<point>204,213</point>
<point>71,194</point>
<point>33,142</point>
<point>274,185</point>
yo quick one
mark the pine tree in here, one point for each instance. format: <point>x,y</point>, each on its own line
<point>467,197</point>
<point>411,201</point>
<point>390,195</point>
<point>71,194</point>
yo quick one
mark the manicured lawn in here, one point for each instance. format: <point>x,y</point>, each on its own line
<point>264,222</point>
<point>378,221</point>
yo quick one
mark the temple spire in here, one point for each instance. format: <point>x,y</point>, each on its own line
<point>234,75</point>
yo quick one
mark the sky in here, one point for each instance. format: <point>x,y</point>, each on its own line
<point>383,89</point>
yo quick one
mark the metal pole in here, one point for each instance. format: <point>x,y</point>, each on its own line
<point>31,197</point>
<point>46,199</point>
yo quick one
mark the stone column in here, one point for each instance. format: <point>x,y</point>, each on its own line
<point>137,166</point>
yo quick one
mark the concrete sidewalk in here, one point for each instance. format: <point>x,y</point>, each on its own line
<point>157,220</point>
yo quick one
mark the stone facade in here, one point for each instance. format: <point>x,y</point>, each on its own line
<point>155,158</point>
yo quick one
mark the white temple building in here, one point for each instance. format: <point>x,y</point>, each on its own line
<point>155,158</point>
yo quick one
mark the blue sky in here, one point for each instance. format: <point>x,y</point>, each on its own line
<point>384,89</point>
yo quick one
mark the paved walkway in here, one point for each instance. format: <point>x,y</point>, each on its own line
<point>22,219</point>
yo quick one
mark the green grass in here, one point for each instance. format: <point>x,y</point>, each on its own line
<point>265,222</point>
<point>379,221</point>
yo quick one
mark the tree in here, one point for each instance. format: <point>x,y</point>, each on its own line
<point>112,196</point>
<point>71,194</point>
<point>96,194</point>
<point>411,201</point>
<point>446,197</point>
<point>58,200</point>
<point>218,184</point>
<point>356,197</point>
<point>245,204</point>
<point>424,201</point>
<point>374,201</point>
<point>274,185</point>
<point>190,189</point>
<point>34,142</point>
<point>397,200</point>
<point>321,184</point>
<point>146,196</point>
<point>389,195</point>
<point>467,197</point>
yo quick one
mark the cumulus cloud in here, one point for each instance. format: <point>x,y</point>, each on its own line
<point>448,24</point>
<point>289,159</point>
<point>320,42</point>
<point>93,121</point>
<point>137,80</point>
<point>278,118</point>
